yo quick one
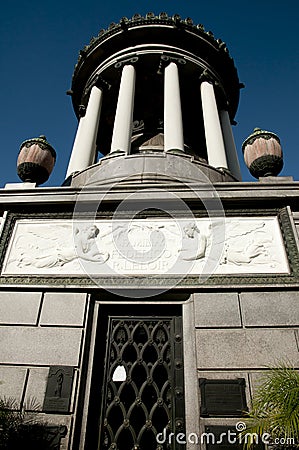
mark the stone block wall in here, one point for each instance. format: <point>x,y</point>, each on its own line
<point>233,335</point>
<point>239,334</point>
<point>39,330</point>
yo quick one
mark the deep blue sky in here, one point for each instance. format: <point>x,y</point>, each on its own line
<point>40,41</point>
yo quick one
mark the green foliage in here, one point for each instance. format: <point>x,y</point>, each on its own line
<point>275,406</point>
<point>10,420</point>
<point>19,429</point>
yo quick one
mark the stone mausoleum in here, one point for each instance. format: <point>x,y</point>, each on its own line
<point>141,299</point>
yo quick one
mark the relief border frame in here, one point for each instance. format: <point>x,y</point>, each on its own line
<point>157,281</point>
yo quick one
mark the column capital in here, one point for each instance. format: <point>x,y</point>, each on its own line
<point>125,62</point>
<point>208,77</point>
<point>82,111</point>
<point>165,60</point>
<point>99,82</point>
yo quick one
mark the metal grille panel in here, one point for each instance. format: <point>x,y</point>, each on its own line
<point>144,383</point>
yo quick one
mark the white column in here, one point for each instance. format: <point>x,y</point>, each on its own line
<point>213,133</point>
<point>123,122</point>
<point>84,148</point>
<point>173,123</point>
<point>230,147</point>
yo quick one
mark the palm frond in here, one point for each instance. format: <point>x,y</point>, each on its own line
<point>275,405</point>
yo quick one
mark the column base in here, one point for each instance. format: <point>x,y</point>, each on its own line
<point>226,171</point>
<point>117,152</point>
<point>153,169</point>
<point>176,151</point>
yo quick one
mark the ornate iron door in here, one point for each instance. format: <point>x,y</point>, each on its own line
<point>143,391</point>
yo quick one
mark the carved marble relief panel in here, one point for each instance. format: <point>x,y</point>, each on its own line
<point>232,245</point>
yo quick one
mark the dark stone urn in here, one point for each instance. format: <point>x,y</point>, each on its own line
<point>263,154</point>
<point>36,160</point>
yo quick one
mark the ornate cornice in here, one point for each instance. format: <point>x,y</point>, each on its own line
<point>150,19</point>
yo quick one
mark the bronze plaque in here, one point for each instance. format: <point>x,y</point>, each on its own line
<point>222,398</point>
<point>59,388</point>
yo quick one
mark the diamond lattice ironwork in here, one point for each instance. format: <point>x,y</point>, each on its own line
<point>143,393</point>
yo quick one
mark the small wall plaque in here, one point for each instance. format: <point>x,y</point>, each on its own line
<point>59,388</point>
<point>222,398</point>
